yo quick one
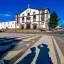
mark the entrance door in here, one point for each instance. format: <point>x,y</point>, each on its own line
<point>34,26</point>
<point>27,26</point>
<point>22,27</point>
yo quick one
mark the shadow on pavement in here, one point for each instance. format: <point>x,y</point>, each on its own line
<point>29,58</point>
<point>7,44</point>
<point>43,56</point>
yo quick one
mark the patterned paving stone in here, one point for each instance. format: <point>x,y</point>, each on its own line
<point>18,44</point>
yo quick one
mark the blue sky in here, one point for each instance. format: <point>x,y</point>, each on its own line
<point>8,8</point>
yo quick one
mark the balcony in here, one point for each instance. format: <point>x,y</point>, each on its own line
<point>28,19</point>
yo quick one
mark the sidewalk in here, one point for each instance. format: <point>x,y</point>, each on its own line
<point>39,50</point>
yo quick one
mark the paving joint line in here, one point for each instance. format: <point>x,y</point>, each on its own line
<point>56,53</point>
<point>61,57</point>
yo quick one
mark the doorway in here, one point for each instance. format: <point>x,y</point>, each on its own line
<point>34,26</point>
<point>22,26</point>
<point>27,26</point>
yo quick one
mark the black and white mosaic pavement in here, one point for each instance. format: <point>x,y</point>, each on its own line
<point>11,46</point>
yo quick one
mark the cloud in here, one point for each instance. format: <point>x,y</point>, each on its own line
<point>7,15</point>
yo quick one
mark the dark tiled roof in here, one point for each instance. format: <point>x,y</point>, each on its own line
<point>33,8</point>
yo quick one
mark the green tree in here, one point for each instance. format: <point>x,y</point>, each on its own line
<point>53,20</point>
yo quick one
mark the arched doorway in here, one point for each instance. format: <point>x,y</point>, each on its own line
<point>27,26</point>
<point>22,26</point>
<point>34,26</point>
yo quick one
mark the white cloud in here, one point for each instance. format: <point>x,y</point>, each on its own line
<point>7,15</point>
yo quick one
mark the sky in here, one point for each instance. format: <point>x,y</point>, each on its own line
<point>8,8</point>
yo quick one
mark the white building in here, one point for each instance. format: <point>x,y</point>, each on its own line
<point>29,19</point>
<point>9,25</point>
<point>33,19</point>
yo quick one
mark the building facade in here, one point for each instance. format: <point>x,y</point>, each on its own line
<point>29,19</point>
<point>7,25</point>
<point>33,19</point>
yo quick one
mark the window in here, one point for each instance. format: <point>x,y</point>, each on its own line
<point>12,22</point>
<point>43,11</point>
<point>22,19</point>
<point>28,14</point>
<point>17,18</point>
<point>42,23</point>
<point>28,18</point>
<point>33,12</point>
<point>22,14</point>
<point>42,15</point>
<point>34,18</point>
<point>42,18</point>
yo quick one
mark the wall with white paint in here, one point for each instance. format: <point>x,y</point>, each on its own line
<point>8,24</point>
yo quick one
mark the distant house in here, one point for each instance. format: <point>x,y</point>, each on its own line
<point>8,24</point>
<point>58,27</point>
<point>62,26</point>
